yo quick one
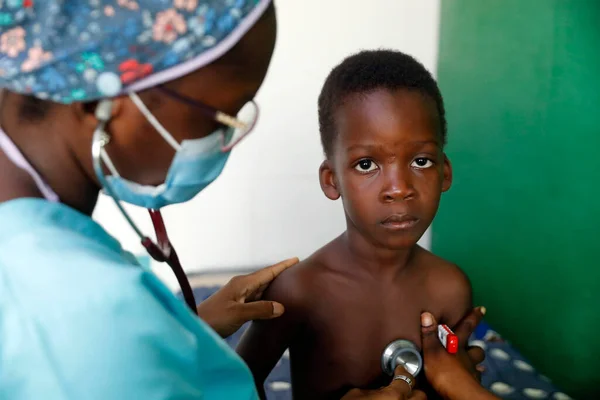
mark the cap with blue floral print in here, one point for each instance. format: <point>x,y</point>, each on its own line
<point>83,50</point>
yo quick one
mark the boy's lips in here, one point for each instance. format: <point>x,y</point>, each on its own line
<point>399,222</point>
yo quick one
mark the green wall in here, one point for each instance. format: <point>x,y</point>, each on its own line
<point>521,80</point>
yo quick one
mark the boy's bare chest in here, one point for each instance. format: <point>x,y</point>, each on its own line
<point>349,333</point>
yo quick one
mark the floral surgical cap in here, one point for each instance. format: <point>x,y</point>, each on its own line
<point>83,50</point>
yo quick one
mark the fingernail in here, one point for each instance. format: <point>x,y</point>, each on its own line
<point>277,309</point>
<point>483,310</point>
<point>426,320</point>
<point>292,261</point>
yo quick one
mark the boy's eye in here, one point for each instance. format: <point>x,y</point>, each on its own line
<point>365,165</point>
<point>422,163</point>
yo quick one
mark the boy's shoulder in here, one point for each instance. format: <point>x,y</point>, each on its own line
<point>297,285</point>
<point>438,268</point>
<point>446,283</point>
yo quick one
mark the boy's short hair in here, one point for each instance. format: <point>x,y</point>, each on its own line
<point>368,71</point>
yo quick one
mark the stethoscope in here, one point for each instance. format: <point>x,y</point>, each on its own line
<point>401,352</point>
<point>162,250</point>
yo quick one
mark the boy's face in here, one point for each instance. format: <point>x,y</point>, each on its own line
<point>388,165</point>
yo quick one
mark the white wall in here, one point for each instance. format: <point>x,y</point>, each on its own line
<point>267,205</point>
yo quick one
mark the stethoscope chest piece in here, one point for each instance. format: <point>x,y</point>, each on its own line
<point>401,352</point>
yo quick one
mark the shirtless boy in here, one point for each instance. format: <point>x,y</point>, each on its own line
<point>383,131</point>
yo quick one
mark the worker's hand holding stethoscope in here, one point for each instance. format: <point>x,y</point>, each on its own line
<point>401,388</point>
<point>239,301</point>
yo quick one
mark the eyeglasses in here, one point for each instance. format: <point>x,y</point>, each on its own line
<point>241,124</point>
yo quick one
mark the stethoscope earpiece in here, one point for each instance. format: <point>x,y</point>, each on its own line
<point>104,110</point>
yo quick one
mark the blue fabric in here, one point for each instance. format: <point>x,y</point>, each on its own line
<point>197,163</point>
<point>80,319</point>
<point>507,373</point>
<point>76,50</point>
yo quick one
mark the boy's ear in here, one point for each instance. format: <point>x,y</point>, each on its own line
<point>328,181</point>
<point>447,171</point>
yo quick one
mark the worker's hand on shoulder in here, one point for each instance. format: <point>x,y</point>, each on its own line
<point>239,301</point>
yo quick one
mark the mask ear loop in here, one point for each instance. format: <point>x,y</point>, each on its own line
<point>154,122</point>
<point>168,255</point>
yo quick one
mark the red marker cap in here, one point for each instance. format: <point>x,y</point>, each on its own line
<point>448,338</point>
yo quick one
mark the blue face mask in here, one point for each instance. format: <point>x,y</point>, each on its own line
<point>196,164</point>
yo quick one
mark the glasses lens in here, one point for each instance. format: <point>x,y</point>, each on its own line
<point>245,121</point>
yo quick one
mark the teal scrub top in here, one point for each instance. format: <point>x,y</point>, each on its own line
<point>81,319</point>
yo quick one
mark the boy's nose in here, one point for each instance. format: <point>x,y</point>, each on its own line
<point>398,186</point>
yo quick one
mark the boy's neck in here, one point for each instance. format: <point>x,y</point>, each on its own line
<point>376,259</point>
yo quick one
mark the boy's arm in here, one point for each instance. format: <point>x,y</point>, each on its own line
<point>264,342</point>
